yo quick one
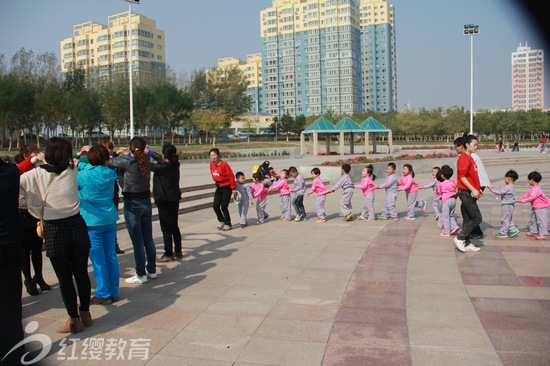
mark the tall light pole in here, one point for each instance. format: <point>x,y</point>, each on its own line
<point>471,30</point>
<point>130,71</point>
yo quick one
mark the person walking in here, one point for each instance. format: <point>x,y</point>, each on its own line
<point>223,177</point>
<point>134,172</point>
<point>52,195</point>
<point>469,191</point>
<point>95,189</point>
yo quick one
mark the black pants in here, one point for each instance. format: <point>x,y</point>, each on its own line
<point>76,264</point>
<point>222,196</point>
<point>471,215</point>
<point>11,331</point>
<point>477,231</point>
<point>32,252</point>
<point>168,217</point>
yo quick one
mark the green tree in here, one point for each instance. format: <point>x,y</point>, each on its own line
<point>115,105</point>
<point>172,106</point>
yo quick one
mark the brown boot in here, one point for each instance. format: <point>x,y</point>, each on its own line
<point>72,325</point>
<point>86,318</point>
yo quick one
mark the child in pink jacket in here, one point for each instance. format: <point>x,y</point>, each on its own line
<point>259,192</point>
<point>446,192</point>
<point>319,188</point>
<point>284,194</point>
<point>368,187</point>
<point>407,184</point>
<point>538,223</point>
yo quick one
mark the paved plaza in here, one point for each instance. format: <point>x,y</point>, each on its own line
<point>333,293</point>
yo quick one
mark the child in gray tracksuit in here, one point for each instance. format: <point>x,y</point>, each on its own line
<point>246,198</point>
<point>390,185</point>
<point>507,201</point>
<point>347,186</point>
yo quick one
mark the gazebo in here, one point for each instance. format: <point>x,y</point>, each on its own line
<point>373,126</point>
<point>347,125</point>
<point>320,126</point>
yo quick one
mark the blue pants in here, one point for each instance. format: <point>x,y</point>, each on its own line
<point>298,203</point>
<point>104,260</point>
<point>138,217</point>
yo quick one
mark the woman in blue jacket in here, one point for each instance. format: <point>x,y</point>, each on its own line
<point>95,189</point>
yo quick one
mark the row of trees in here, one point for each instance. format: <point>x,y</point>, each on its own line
<point>34,96</point>
<point>438,124</point>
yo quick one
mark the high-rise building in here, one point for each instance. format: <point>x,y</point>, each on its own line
<point>103,50</point>
<point>378,64</point>
<point>328,55</point>
<point>527,78</point>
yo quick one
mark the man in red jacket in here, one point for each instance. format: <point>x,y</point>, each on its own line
<point>224,178</point>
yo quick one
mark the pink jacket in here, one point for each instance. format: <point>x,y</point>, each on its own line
<point>318,187</point>
<point>407,184</point>
<point>282,186</point>
<point>366,185</point>
<point>446,190</point>
<point>536,197</point>
<point>258,190</point>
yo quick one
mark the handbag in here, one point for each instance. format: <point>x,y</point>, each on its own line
<point>40,224</point>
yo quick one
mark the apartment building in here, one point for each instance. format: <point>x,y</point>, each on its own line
<point>321,55</point>
<point>527,78</point>
<point>103,49</point>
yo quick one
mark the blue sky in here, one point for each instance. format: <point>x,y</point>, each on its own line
<point>433,57</point>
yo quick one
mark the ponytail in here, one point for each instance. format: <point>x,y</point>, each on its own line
<point>137,147</point>
<point>370,170</point>
<point>409,166</point>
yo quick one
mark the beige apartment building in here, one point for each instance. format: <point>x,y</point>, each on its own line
<point>103,49</point>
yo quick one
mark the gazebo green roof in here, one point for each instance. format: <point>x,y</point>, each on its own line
<point>349,125</point>
<point>321,125</point>
<point>372,125</point>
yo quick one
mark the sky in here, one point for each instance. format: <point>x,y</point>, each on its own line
<point>433,56</point>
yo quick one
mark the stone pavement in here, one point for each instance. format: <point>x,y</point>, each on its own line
<point>333,293</point>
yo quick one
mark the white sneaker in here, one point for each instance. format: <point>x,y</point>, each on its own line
<point>459,244</point>
<point>137,279</point>
<point>220,225</point>
<point>226,228</point>
<point>298,218</point>
<point>471,248</point>
<point>152,276</point>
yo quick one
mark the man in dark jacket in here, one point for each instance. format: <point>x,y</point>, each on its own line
<point>167,194</point>
<point>11,255</point>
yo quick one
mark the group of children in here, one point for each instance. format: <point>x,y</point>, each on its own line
<point>444,202</point>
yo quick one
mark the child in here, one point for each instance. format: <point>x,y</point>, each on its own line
<point>347,186</point>
<point>436,203</point>
<point>246,198</point>
<point>446,193</point>
<point>319,188</point>
<point>390,185</point>
<point>284,194</point>
<point>507,201</point>
<point>299,189</point>
<point>407,184</point>
<point>259,191</point>
<point>368,187</point>
<point>538,223</point>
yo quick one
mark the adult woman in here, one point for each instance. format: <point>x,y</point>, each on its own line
<point>95,189</point>
<point>32,243</point>
<point>51,193</point>
<point>135,173</point>
<point>469,190</point>
<point>167,194</point>
<point>225,186</point>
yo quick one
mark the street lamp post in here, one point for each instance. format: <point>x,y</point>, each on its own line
<point>471,30</point>
<point>130,71</point>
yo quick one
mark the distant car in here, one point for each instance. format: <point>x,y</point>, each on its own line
<point>243,134</point>
<point>265,132</point>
